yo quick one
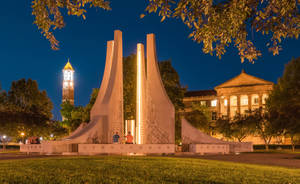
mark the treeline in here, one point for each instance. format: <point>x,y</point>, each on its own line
<point>26,111</point>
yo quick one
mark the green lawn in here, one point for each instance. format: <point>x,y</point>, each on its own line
<point>9,151</point>
<point>117,169</point>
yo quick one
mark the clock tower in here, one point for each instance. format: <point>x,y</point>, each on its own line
<point>68,83</point>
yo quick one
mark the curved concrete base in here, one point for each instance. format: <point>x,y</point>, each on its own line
<point>202,143</point>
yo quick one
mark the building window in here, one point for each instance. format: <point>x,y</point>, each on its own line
<point>213,115</point>
<point>214,103</point>
<point>203,103</point>
<point>225,102</point>
<point>233,101</point>
<point>244,100</point>
<point>254,99</point>
<point>66,85</point>
<point>264,98</point>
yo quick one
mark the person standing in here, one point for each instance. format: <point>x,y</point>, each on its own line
<point>116,138</point>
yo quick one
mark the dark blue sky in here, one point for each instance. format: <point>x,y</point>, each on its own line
<point>25,53</point>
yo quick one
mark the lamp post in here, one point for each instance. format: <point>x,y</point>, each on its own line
<point>3,142</point>
<point>22,135</point>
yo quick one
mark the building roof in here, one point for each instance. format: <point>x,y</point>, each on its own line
<point>244,79</point>
<point>200,93</point>
<point>68,66</point>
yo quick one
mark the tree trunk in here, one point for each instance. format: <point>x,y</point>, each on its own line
<point>293,143</point>
<point>267,146</point>
<point>266,143</point>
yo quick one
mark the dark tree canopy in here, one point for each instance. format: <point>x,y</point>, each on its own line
<point>24,108</point>
<point>129,89</point>
<point>217,24</point>
<point>284,101</point>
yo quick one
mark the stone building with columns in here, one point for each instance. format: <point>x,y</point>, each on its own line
<point>235,96</point>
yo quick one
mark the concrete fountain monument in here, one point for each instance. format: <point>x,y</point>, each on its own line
<point>154,128</point>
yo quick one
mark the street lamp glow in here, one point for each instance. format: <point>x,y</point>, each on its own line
<point>4,136</point>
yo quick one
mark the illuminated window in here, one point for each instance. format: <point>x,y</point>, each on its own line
<point>233,101</point>
<point>71,84</point>
<point>214,103</point>
<point>264,98</point>
<point>225,102</point>
<point>68,75</point>
<point>203,103</point>
<point>65,84</point>
<point>244,100</point>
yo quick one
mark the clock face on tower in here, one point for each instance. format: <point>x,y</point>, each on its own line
<point>68,75</point>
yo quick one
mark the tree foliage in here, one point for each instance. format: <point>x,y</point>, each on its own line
<point>237,128</point>
<point>284,101</point>
<point>24,108</point>
<point>49,16</point>
<point>217,24</point>
<point>264,127</point>
<point>129,89</point>
<point>171,81</point>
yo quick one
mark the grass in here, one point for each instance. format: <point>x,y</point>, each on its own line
<point>117,169</point>
<point>9,151</point>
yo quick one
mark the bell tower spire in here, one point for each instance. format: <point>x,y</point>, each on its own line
<point>68,83</point>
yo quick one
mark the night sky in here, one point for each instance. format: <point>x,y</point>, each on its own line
<point>25,53</point>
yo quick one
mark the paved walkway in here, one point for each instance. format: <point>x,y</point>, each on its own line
<point>272,159</point>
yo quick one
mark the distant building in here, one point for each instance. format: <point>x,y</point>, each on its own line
<point>235,96</point>
<point>68,83</point>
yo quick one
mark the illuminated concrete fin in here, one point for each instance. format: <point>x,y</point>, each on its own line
<point>107,112</point>
<point>160,110</point>
<point>114,93</point>
<point>109,53</point>
<point>141,113</point>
